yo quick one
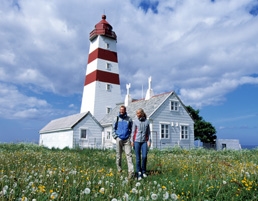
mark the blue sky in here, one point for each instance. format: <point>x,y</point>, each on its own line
<point>206,51</point>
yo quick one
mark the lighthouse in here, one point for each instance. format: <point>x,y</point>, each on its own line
<point>101,90</point>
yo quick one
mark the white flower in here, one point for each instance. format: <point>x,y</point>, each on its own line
<point>53,195</point>
<point>114,199</point>
<point>138,184</point>
<point>102,190</point>
<point>134,190</point>
<point>154,196</point>
<point>126,197</point>
<point>224,182</point>
<point>173,196</point>
<point>165,196</point>
<point>86,191</point>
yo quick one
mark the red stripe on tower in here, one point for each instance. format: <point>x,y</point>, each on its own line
<point>102,54</point>
<point>102,76</point>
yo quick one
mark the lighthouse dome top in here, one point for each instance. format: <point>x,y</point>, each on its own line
<point>103,28</point>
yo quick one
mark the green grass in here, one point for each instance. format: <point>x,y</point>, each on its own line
<point>31,172</point>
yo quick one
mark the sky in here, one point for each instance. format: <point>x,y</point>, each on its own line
<point>204,50</point>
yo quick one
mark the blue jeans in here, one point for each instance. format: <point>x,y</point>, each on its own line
<point>141,151</point>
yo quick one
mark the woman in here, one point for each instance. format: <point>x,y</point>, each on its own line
<point>141,141</point>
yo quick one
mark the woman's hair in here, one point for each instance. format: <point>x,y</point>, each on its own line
<point>142,112</point>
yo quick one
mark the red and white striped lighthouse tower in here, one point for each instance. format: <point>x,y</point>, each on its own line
<point>102,85</point>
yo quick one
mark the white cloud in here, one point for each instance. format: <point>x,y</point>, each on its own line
<point>14,104</point>
<point>201,49</point>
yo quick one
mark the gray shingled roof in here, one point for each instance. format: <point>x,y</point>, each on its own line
<point>149,106</point>
<point>64,123</point>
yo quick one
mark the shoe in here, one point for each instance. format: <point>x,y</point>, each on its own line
<point>139,176</point>
<point>144,175</point>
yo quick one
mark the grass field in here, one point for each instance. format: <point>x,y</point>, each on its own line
<point>29,172</point>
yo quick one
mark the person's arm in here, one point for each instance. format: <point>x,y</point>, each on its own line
<point>148,134</point>
<point>114,128</point>
<point>132,133</point>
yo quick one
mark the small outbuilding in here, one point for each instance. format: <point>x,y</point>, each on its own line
<point>233,144</point>
<point>78,130</point>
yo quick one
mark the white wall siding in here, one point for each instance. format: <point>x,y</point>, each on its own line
<point>94,136</point>
<point>174,119</point>
<point>228,143</point>
<point>59,139</point>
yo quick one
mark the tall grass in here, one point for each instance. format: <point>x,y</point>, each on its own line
<point>31,172</point>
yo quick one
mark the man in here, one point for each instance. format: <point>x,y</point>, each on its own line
<point>122,128</point>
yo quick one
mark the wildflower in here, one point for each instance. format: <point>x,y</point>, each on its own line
<point>4,190</point>
<point>102,190</point>
<point>53,195</point>
<point>86,191</point>
<point>41,188</point>
<point>224,182</point>
<point>138,184</point>
<point>173,196</point>
<point>154,196</point>
<point>164,187</point>
<point>114,199</point>
<point>23,199</point>
<point>134,190</point>
<point>126,197</point>
<point>165,196</point>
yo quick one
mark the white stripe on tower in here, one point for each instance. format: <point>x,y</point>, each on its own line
<point>102,86</point>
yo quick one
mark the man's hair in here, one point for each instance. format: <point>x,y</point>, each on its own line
<point>123,107</point>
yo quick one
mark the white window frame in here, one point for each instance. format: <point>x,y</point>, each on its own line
<point>166,133</point>
<point>184,132</point>
<point>86,131</point>
<point>174,105</point>
<point>108,136</point>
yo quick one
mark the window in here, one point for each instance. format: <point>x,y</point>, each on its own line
<point>164,131</point>
<point>108,110</point>
<point>108,87</point>
<point>108,135</point>
<point>174,105</point>
<point>83,133</point>
<point>108,66</point>
<point>107,45</point>
<point>184,132</point>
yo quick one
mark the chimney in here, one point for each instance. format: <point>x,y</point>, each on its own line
<point>128,98</point>
<point>149,92</point>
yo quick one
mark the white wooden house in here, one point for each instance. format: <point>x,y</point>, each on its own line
<point>170,123</point>
<point>79,130</point>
